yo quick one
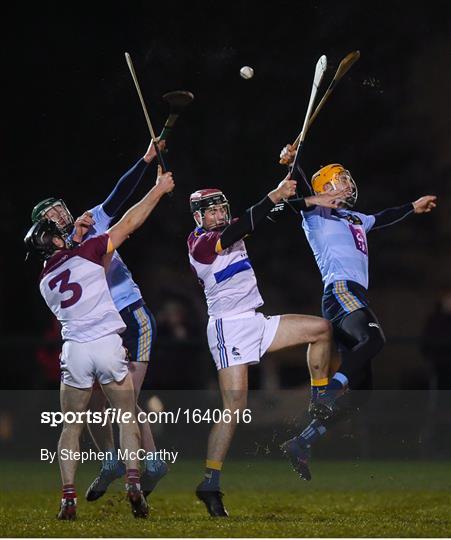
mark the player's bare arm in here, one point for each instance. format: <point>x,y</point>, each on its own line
<point>137,215</point>
<point>328,200</point>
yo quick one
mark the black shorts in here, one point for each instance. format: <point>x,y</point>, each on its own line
<point>341,298</point>
<point>140,334</point>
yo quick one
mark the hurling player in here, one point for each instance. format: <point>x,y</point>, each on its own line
<point>140,330</point>
<point>74,285</point>
<point>339,243</point>
<point>238,335</point>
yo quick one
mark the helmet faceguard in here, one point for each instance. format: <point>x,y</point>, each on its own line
<point>54,210</point>
<point>338,177</point>
<point>206,199</point>
<point>39,238</point>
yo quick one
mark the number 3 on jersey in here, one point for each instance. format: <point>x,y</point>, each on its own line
<point>65,286</point>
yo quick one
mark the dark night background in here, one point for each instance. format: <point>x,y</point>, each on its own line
<point>73,124</point>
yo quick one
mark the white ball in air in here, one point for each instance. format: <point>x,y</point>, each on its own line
<point>246,72</point>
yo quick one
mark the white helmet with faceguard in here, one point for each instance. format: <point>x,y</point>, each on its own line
<point>206,199</point>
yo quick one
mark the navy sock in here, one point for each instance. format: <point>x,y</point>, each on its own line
<point>319,389</point>
<point>211,477</point>
<point>311,433</point>
<point>337,385</point>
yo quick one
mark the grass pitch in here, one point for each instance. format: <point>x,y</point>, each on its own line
<point>264,499</point>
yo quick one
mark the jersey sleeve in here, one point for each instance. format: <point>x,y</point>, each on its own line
<point>390,216</point>
<point>205,247</point>
<point>367,221</point>
<point>101,218</point>
<point>124,188</point>
<point>95,248</point>
<point>312,218</point>
<point>246,224</point>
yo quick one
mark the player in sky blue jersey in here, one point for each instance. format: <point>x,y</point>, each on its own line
<point>338,240</point>
<point>140,334</point>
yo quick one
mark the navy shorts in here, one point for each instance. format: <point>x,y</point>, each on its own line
<point>341,298</point>
<point>141,331</point>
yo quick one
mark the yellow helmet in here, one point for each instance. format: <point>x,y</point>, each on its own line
<point>328,175</point>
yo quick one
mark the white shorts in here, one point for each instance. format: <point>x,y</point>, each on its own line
<point>241,339</point>
<point>104,359</point>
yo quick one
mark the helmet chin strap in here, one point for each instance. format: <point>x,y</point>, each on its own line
<point>199,223</point>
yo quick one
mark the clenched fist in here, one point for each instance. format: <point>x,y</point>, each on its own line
<point>165,181</point>
<point>287,154</point>
<point>82,225</point>
<point>285,190</point>
<point>424,204</point>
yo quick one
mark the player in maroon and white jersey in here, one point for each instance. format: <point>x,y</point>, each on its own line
<point>238,335</point>
<point>74,286</point>
<point>138,337</point>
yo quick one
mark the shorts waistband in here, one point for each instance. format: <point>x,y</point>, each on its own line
<point>243,315</point>
<point>347,282</point>
<point>136,305</point>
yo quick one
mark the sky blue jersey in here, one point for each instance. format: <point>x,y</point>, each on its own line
<point>338,241</point>
<point>120,282</point>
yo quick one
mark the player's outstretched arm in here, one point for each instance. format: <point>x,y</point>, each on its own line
<point>256,213</point>
<point>129,182</point>
<point>137,215</point>
<point>390,216</point>
<point>331,199</point>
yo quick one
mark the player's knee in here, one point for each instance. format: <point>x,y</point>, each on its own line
<point>72,429</point>
<point>235,400</point>
<point>370,344</point>
<point>323,330</point>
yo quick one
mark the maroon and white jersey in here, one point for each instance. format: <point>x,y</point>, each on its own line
<point>228,279</point>
<point>74,286</point>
